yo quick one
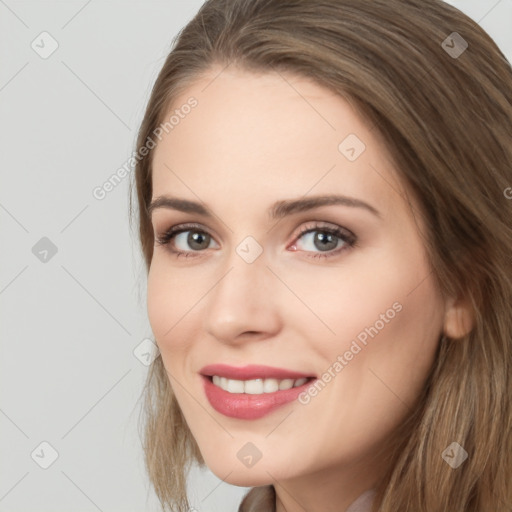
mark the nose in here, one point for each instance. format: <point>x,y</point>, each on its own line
<point>243,304</point>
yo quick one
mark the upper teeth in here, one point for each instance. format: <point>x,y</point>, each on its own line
<point>256,386</point>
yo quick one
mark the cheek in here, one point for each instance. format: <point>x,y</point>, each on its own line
<point>169,303</point>
<point>159,301</point>
<point>383,313</point>
<point>405,351</point>
<point>387,375</point>
<point>387,289</point>
<point>356,300</point>
<point>389,356</point>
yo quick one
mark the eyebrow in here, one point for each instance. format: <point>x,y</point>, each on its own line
<point>278,210</point>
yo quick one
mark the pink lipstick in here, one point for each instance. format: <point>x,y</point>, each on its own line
<point>253,391</point>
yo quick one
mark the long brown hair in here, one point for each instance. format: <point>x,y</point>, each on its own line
<point>443,104</point>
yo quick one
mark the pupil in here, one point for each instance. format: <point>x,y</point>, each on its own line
<point>324,239</point>
<point>194,240</point>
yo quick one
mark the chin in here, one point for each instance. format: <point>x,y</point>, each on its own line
<point>237,474</point>
<point>246,478</point>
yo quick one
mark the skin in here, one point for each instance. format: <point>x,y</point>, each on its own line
<point>252,140</point>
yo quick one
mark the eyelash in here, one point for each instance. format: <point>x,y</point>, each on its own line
<point>343,234</point>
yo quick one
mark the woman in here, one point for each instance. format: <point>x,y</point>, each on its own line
<point>324,217</point>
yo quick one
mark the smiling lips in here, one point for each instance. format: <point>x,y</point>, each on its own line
<point>251,392</point>
<point>256,386</point>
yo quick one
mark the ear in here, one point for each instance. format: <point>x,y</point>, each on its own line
<point>458,319</point>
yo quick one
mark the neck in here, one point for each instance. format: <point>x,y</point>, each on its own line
<point>329,490</point>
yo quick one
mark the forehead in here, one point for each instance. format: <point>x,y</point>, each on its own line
<point>275,134</point>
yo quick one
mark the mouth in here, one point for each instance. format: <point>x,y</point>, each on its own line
<point>252,372</point>
<point>253,391</point>
<point>257,386</point>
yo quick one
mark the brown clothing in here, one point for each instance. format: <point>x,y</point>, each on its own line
<point>263,499</point>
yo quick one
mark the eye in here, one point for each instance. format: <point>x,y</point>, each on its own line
<point>328,240</point>
<point>189,238</point>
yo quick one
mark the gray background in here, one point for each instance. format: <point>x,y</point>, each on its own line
<point>71,321</point>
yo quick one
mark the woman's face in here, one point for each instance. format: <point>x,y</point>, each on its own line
<point>340,293</point>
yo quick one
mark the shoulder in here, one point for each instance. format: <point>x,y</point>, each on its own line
<point>259,499</point>
<point>363,503</point>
